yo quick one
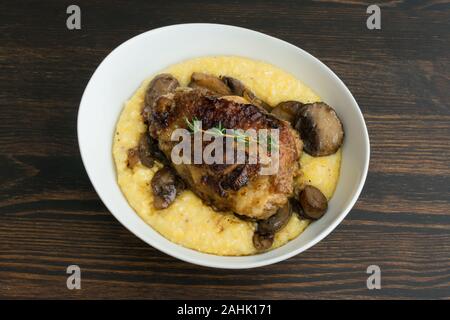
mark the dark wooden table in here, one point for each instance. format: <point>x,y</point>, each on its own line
<point>51,217</point>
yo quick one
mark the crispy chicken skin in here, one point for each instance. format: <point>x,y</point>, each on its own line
<point>228,187</point>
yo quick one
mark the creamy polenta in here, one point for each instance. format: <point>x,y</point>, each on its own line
<point>188,221</point>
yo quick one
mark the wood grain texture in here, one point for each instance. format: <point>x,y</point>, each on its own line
<point>50,216</point>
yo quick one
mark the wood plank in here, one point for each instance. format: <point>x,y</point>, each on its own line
<point>50,216</point>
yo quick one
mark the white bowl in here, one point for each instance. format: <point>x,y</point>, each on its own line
<point>123,70</point>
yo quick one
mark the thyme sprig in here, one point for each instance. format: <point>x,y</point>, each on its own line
<point>239,135</point>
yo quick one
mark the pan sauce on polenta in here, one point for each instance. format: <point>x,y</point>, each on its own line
<point>189,221</point>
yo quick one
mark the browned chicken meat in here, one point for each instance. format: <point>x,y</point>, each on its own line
<point>240,188</point>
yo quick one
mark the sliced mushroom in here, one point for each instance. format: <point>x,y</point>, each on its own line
<point>262,241</point>
<point>277,221</point>
<point>145,151</point>
<point>239,89</point>
<point>165,186</point>
<point>250,97</point>
<point>312,202</point>
<point>209,82</point>
<point>296,207</point>
<point>236,86</point>
<point>149,151</point>
<point>245,218</point>
<point>162,84</point>
<point>287,111</point>
<point>132,157</point>
<point>203,90</point>
<point>320,129</point>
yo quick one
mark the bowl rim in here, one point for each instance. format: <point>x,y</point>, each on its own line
<point>251,264</point>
